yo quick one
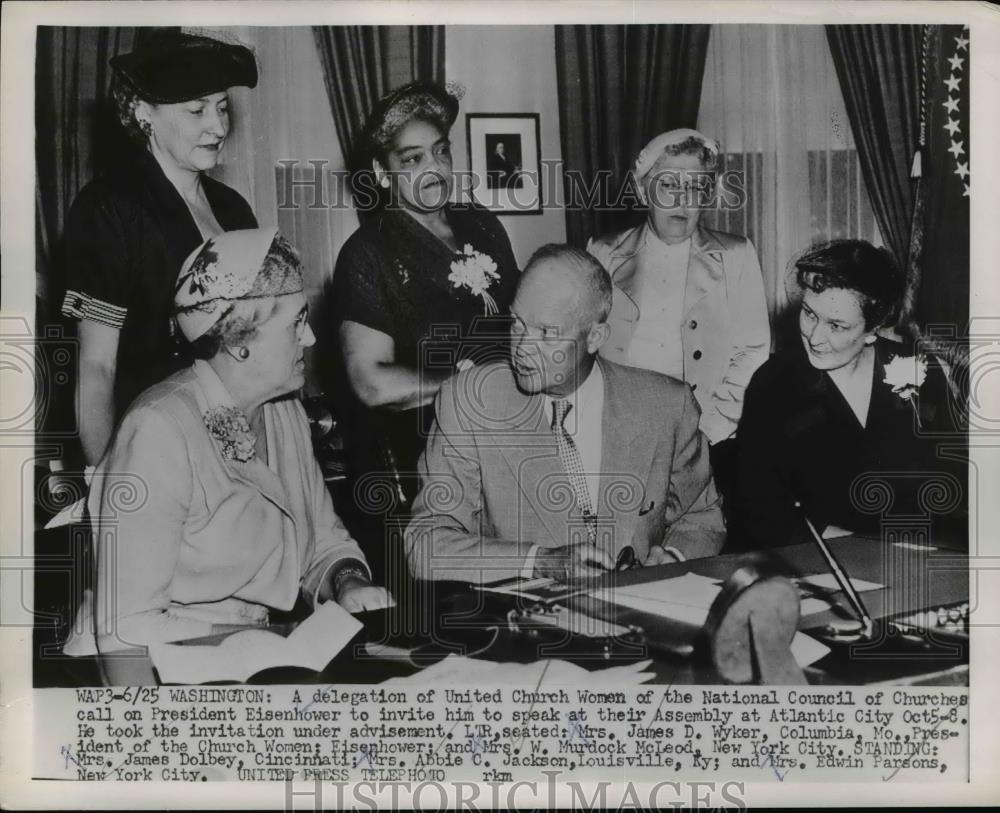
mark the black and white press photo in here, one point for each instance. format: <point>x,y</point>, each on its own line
<point>539,414</point>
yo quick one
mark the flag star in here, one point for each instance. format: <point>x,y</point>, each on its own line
<point>961,43</point>
<point>956,148</point>
<point>953,83</point>
<point>962,171</point>
<point>952,127</point>
<point>956,62</point>
<point>951,104</point>
<point>965,194</point>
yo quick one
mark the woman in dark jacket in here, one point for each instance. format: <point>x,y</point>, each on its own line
<point>424,285</point>
<point>129,231</point>
<point>848,417</point>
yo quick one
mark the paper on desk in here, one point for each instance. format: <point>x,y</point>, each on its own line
<point>811,605</point>
<point>312,645</point>
<point>807,650</point>
<point>688,598</point>
<point>684,598</point>
<point>456,670</point>
<point>826,581</point>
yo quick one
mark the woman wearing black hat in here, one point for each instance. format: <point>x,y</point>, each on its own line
<point>423,286</point>
<point>845,403</point>
<point>128,232</point>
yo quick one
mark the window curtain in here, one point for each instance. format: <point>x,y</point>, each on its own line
<point>771,98</point>
<point>283,153</point>
<point>879,67</point>
<point>363,63</point>
<point>76,133</point>
<point>619,86</point>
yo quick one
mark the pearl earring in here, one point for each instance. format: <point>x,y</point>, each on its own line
<point>384,183</point>
<point>243,353</point>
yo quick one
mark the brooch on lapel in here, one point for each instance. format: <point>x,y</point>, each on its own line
<point>477,272</point>
<point>229,426</point>
<point>404,275</point>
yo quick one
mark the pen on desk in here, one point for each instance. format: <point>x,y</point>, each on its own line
<point>838,573</point>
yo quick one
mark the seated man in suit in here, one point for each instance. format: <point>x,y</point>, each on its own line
<point>554,463</point>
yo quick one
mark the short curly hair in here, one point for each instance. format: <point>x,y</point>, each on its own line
<point>858,266</point>
<point>416,101</point>
<point>127,99</point>
<point>237,325</point>
<point>694,146</point>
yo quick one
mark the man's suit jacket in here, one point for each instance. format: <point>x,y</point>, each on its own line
<point>724,329</point>
<point>492,482</point>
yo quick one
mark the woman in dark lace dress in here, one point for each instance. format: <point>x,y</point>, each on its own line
<point>421,288</point>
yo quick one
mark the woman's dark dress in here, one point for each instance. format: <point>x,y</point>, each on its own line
<point>127,235</point>
<point>392,276</point>
<point>799,440</point>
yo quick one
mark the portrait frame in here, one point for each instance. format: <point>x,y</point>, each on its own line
<point>505,161</point>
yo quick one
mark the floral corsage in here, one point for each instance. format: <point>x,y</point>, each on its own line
<point>477,272</point>
<point>229,426</point>
<point>905,375</point>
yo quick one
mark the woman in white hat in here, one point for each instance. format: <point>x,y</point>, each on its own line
<point>210,508</point>
<point>688,301</point>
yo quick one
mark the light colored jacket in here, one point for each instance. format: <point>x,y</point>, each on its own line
<point>186,538</point>
<point>492,483</point>
<point>725,335</point>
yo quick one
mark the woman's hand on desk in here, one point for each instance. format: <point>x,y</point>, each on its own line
<point>357,594</point>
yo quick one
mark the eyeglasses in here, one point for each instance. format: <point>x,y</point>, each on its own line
<point>519,328</point>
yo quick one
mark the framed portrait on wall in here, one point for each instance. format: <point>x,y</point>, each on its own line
<point>505,161</point>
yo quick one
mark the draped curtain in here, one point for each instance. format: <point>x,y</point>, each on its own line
<point>879,68</point>
<point>771,98</point>
<point>363,63</point>
<point>618,87</point>
<point>76,132</point>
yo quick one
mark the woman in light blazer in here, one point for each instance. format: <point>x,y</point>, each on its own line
<point>688,301</point>
<point>210,508</point>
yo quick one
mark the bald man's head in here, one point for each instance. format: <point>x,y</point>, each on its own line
<point>560,315</point>
<point>574,277</point>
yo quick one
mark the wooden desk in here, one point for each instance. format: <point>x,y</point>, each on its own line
<point>915,579</point>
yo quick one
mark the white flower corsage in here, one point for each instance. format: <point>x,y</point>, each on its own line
<point>475,271</point>
<point>906,374</point>
<point>229,426</point>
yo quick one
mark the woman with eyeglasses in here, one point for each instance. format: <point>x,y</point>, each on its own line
<point>209,509</point>
<point>688,301</point>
